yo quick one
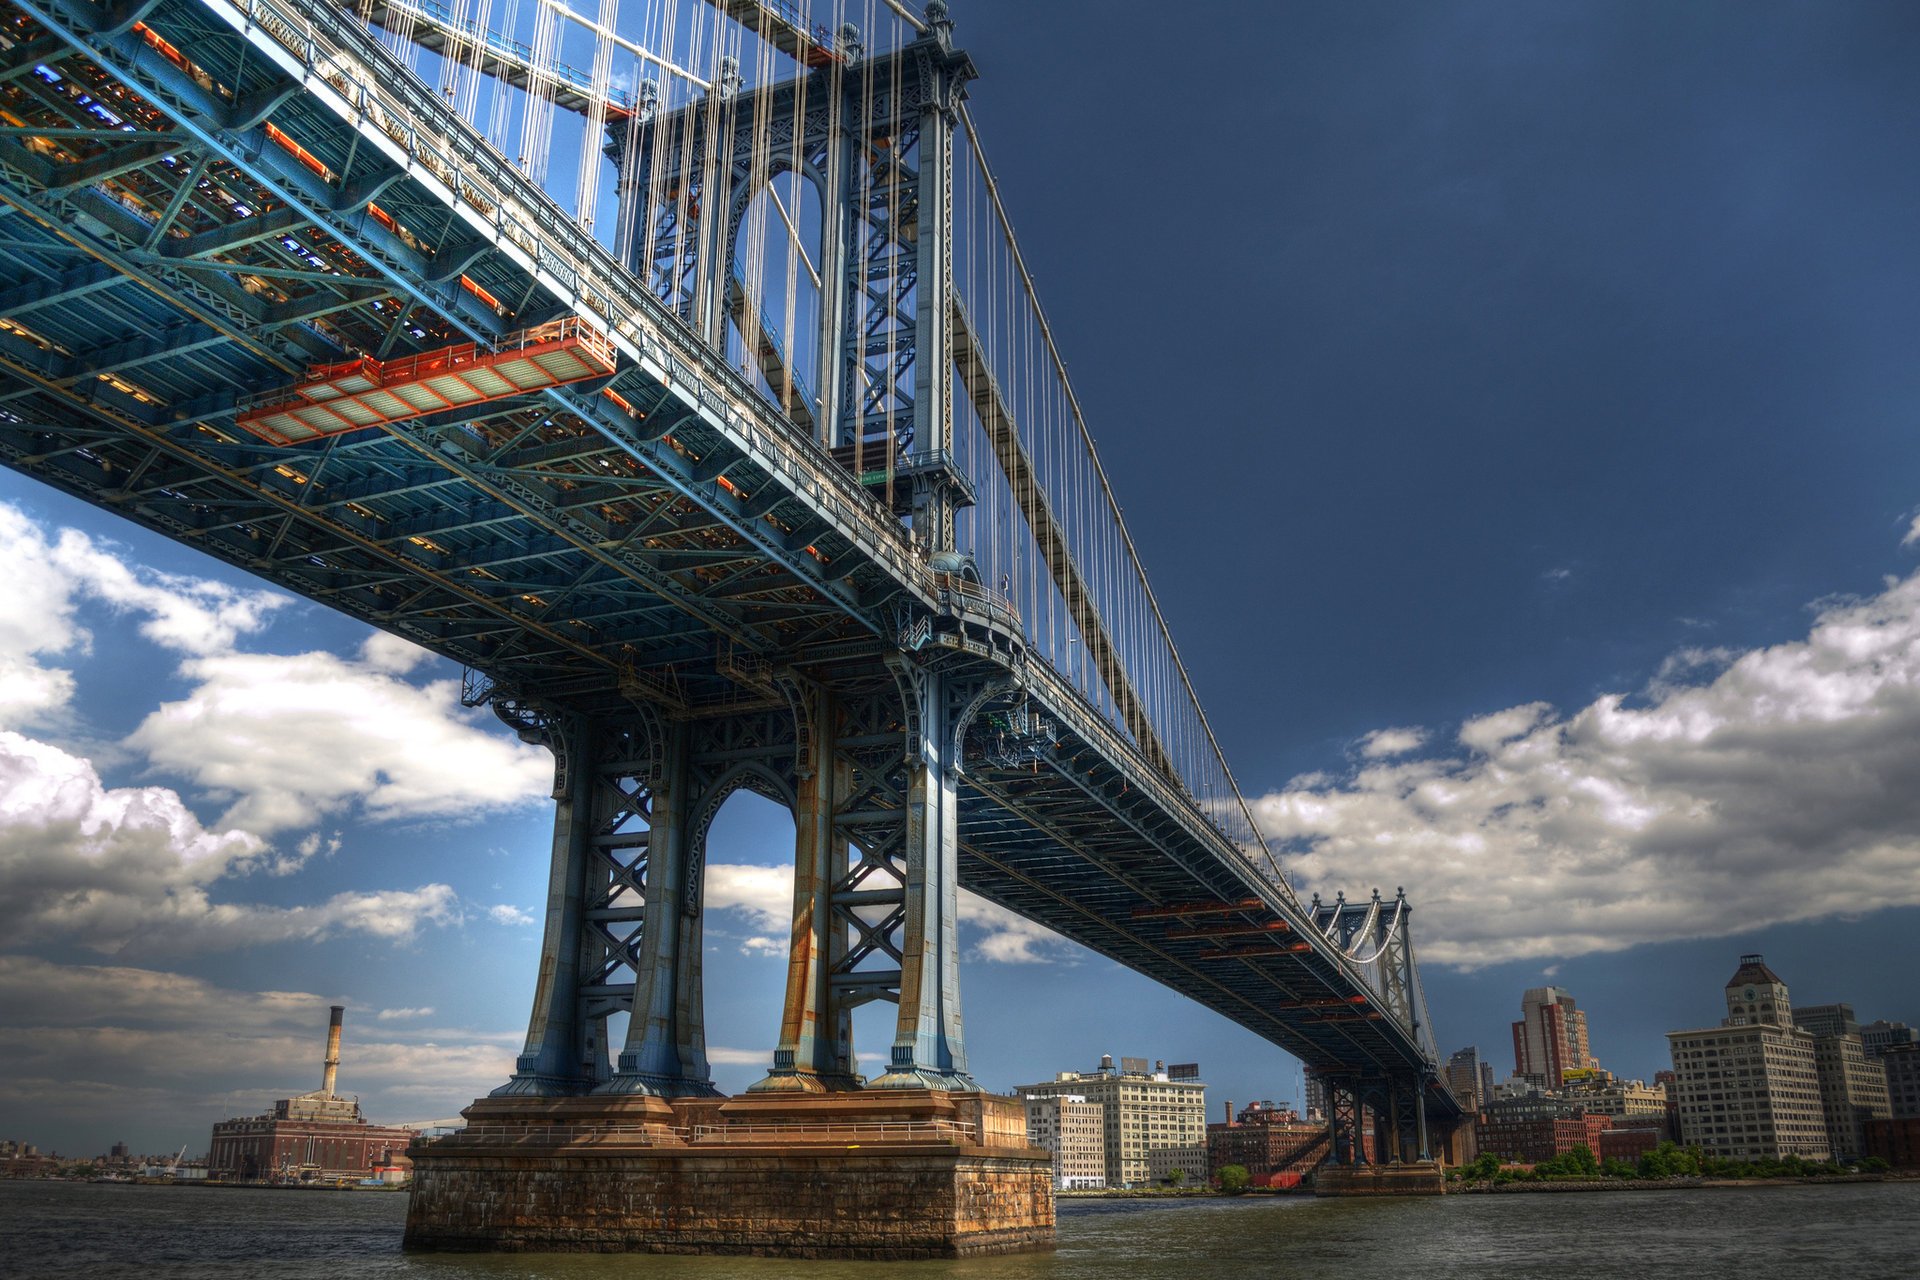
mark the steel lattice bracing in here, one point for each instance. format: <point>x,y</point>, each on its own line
<point>661,571</point>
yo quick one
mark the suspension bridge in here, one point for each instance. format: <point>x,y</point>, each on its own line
<point>679,374</point>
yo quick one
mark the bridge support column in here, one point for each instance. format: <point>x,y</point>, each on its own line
<point>555,1061</point>
<point>622,913</point>
<point>666,1049</point>
<point>816,1025</point>
<point>929,1050</point>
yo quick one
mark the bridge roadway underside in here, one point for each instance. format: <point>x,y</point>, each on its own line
<point>191,213</point>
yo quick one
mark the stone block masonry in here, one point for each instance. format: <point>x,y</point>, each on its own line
<point>856,1175</point>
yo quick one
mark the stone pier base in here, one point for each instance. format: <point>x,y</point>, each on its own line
<point>907,1174</point>
<point>1414,1178</point>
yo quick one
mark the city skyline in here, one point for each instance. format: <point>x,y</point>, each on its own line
<point>1552,561</point>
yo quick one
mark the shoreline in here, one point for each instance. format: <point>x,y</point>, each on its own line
<point>1665,1184</point>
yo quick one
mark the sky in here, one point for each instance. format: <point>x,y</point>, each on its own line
<point>1514,406</point>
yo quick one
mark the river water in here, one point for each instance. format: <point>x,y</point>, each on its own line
<point>1865,1231</point>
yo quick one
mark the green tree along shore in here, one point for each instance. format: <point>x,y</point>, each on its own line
<point>1668,1160</point>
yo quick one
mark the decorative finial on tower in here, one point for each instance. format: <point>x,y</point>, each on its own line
<point>850,42</point>
<point>938,20</point>
<point>728,82</point>
<point>646,100</point>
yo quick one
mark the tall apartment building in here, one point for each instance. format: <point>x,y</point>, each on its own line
<point>1074,1130</point>
<point>1853,1084</point>
<point>1902,1065</point>
<point>1881,1035</point>
<point>1551,1037</point>
<point>1750,1088</point>
<point>1152,1125</point>
<point>1469,1077</point>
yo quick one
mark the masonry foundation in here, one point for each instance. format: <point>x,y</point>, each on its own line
<point>1412,1178</point>
<point>868,1174</point>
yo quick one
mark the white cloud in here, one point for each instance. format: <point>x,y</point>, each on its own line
<point>1913,534</point>
<point>763,894</point>
<point>285,740</point>
<point>1392,742</point>
<point>507,913</point>
<point>47,578</point>
<point>721,1056</point>
<point>128,869</point>
<point>404,1015</point>
<point>1008,938</point>
<point>1777,785</point>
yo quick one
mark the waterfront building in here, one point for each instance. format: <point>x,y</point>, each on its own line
<point>1853,1086</point>
<point>1901,1062</point>
<point>1827,1019</point>
<point>1895,1141</point>
<point>1551,1037</point>
<point>1144,1112</point>
<point>1073,1130</point>
<point>1620,1100</point>
<point>1277,1146</point>
<point>1530,1137</point>
<point>318,1136</point>
<point>1671,1083</point>
<point>1631,1137</point>
<point>1314,1097</point>
<point>1879,1036</point>
<point>1750,1088</point>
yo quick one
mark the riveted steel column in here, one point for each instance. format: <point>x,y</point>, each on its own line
<point>554,1062</point>
<point>816,1030</point>
<point>666,1050</point>
<point>929,1050</point>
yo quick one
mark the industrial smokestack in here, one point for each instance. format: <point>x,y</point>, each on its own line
<point>333,1050</point>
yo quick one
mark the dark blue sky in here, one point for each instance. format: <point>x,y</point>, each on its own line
<point>1447,357</point>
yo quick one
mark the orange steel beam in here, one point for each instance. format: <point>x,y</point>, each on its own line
<point>1255,953</point>
<point>1330,1002</point>
<point>1229,931</point>
<point>1198,909</point>
<point>355,394</point>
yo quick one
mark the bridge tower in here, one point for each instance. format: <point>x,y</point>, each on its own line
<point>870,772</point>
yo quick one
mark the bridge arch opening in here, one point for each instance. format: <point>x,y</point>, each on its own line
<point>743,845</point>
<point>774,289</point>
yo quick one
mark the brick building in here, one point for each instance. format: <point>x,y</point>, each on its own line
<point>1529,1139</point>
<point>317,1136</point>
<point>1895,1141</point>
<point>1550,1038</point>
<point>1901,1062</point>
<point>1275,1145</point>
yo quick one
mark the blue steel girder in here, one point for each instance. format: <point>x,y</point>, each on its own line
<point>672,454</point>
